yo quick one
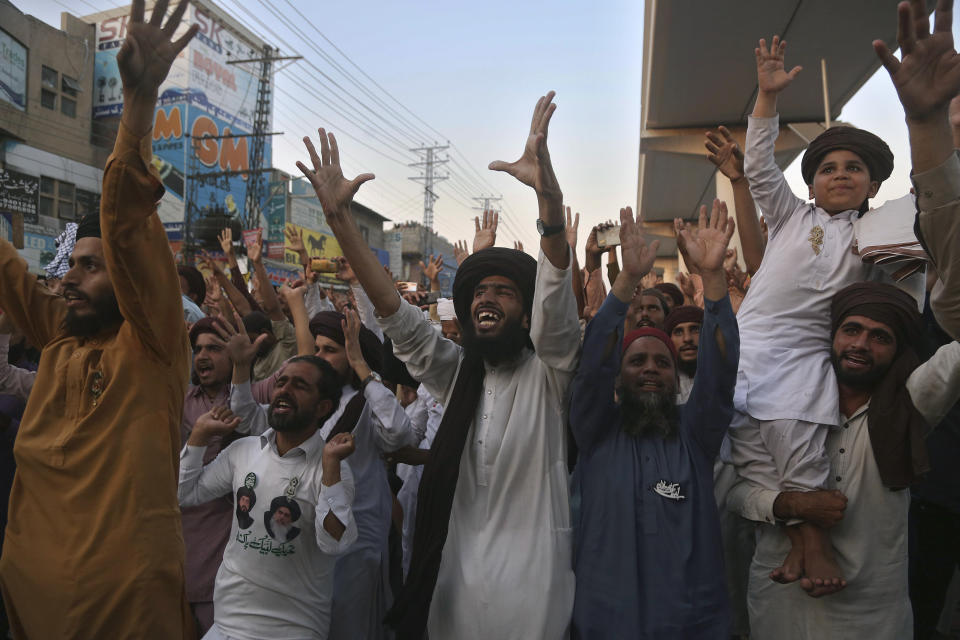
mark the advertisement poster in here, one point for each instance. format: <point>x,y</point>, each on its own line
<point>18,194</point>
<point>13,71</point>
<point>306,212</point>
<point>319,245</point>
<point>203,98</point>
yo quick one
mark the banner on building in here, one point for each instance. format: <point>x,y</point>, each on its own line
<point>18,194</point>
<point>13,71</point>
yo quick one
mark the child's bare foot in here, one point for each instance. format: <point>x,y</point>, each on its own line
<point>821,573</point>
<point>792,568</point>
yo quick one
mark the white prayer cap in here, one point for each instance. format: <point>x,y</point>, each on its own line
<point>445,309</point>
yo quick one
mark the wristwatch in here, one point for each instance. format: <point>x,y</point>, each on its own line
<point>373,376</point>
<point>552,230</point>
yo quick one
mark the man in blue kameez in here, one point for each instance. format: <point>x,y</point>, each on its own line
<point>648,556</point>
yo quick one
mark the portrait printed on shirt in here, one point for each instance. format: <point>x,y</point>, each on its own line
<point>279,519</point>
<point>246,498</point>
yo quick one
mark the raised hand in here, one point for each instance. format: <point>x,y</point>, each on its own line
<point>638,256</point>
<point>214,292</point>
<point>333,190</point>
<point>351,332</point>
<point>772,76</point>
<point>255,248</point>
<point>345,271</point>
<point>927,76</point>
<point>433,267</point>
<point>517,245</point>
<point>534,168</point>
<point>339,447</point>
<point>219,421</point>
<point>237,343</point>
<point>705,246</point>
<point>145,59</point>
<point>725,153</point>
<point>460,252</point>
<point>295,243</point>
<point>485,235</point>
<point>572,226</point>
<point>293,292</point>
<point>226,241</point>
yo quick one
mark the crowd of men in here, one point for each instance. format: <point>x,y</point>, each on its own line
<point>768,453</point>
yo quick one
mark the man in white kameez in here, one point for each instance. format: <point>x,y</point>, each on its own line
<point>875,329</point>
<point>492,548</point>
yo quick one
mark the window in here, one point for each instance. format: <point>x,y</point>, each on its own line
<point>68,98</point>
<point>58,199</point>
<point>50,84</point>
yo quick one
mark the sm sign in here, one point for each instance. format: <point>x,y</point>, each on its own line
<point>209,136</point>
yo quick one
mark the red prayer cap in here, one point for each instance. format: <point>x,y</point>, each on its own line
<point>654,333</point>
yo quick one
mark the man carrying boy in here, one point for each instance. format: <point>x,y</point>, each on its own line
<point>778,432</point>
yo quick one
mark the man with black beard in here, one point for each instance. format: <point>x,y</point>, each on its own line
<point>273,585</point>
<point>491,553</point>
<point>683,327</point>
<point>94,529</point>
<point>648,558</point>
<point>888,401</point>
<point>371,413</point>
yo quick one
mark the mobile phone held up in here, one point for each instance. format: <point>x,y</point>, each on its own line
<point>609,237</point>
<point>323,265</point>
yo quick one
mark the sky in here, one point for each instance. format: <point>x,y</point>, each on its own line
<point>469,74</point>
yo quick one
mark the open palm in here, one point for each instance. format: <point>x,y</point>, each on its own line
<point>705,246</point>
<point>149,49</point>
<point>638,256</point>
<point>772,76</point>
<point>534,168</point>
<point>333,190</point>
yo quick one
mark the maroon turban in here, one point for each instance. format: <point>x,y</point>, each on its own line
<point>686,313</point>
<point>653,333</point>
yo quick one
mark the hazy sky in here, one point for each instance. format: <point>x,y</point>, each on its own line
<point>471,73</point>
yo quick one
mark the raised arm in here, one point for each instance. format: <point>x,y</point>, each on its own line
<point>485,232</point>
<point>592,407</point>
<point>198,483</point>
<point>271,304</point>
<point>135,246</point>
<point>335,194</point>
<point>927,78</point>
<point>573,225</point>
<point>768,186</point>
<point>535,170</point>
<point>725,154</point>
<point>296,302</point>
<point>712,397</point>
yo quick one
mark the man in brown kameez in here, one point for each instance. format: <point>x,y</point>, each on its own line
<point>93,547</point>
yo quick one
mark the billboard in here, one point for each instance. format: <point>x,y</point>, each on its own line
<point>319,245</point>
<point>13,71</point>
<point>306,212</point>
<point>202,99</point>
<point>18,194</point>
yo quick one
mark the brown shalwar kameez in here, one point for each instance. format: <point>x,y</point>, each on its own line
<point>94,547</point>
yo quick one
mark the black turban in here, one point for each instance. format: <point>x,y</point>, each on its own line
<point>89,226</point>
<point>685,313</point>
<point>411,606</point>
<point>204,325</point>
<point>196,285</point>
<point>327,323</point>
<point>672,291</point>
<point>872,150</point>
<point>289,503</point>
<point>897,430</point>
<point>495,261</point>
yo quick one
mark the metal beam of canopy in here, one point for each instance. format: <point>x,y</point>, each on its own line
<point>699,71</point>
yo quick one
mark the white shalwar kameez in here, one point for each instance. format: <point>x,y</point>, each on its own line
<point>506,569</point>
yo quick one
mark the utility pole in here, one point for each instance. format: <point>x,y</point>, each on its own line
<point>490,203</point>
<point>256,186</point>
<point>430,160</point>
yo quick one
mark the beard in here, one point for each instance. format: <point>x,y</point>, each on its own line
<point>296,421</point>
<point>507,345</point>
<point>858,380</point>
<point>689,367</point>
<point>648,413</point>
<point>106,314</point>
<point>280,531</point>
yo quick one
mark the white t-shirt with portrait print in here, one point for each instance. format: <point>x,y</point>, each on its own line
<point>276,579</point>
